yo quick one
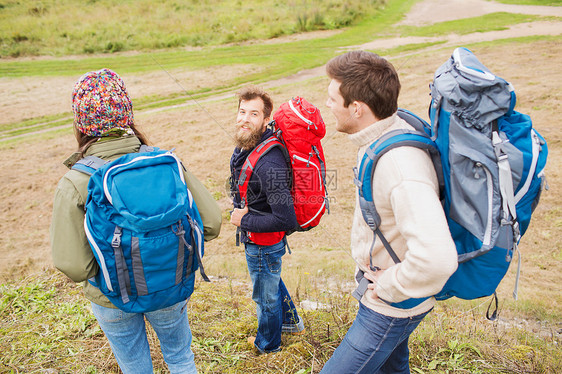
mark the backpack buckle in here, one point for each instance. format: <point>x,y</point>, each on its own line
<point>516,233</point>
<point>116,241</point>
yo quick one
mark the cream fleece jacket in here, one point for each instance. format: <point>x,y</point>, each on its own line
<point>405,192</point>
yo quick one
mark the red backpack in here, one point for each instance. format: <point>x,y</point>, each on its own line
<point>298,128</point>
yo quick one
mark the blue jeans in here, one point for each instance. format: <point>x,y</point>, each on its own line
<point>374,344</point>
<point>126,333</point>
<point>275,309</point>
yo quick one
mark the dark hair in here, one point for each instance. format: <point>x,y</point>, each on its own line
<point>254,92</point>
<point>366,77</point>
<point>85,141</point>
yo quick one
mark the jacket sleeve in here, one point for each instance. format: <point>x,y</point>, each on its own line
<point>70,250</point>
<point>208,208</point>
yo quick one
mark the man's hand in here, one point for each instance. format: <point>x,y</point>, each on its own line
<point>237,214</point>
<point>374,278</point>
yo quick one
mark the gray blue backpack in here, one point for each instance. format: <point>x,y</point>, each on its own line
<point>490,164</point>
<point>144,229</point>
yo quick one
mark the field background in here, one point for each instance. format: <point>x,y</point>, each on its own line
<point>183,95</point>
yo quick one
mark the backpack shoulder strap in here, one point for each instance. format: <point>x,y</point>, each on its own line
<point>363,180</point>
<point>147,148</point>
<point>414,121</point>
<point>251,162</point>
<point>364,176</point>
<point>89,164</point>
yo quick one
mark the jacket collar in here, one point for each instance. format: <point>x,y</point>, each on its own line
<point>371,133</point>
<point>107,148</point>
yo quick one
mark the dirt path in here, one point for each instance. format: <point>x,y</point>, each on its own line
<point>434,11</point>
<point>515,31</point>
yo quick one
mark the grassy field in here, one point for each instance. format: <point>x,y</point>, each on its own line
<point>267,61</point>
<point>45,323</point>
<point>49,28</point>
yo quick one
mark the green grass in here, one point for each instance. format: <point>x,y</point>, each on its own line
<point>277,58</point>
<point>46,325</point>
<point>11,129</point>
<point>274,58</point>
<point>39,326</point>
<point>51,27</point>
<point>451,340</point>
<point>407,48</point>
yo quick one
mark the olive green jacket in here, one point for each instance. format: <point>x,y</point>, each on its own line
<point>70,249</point>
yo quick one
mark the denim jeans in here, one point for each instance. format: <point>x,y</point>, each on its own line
<point>275,309</point>
<point>126,333</point>
<point>375,343</point>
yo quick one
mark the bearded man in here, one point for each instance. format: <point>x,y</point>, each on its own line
<point>268,208</point>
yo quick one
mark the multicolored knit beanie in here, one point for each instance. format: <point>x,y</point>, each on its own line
<point>101,104</point>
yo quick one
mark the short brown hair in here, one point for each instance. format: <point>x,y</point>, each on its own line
<point>254,92</point>
<point>366,77</point>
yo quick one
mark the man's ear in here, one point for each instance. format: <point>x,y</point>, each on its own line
<point>357,109</point>
<point>362,113</point>
<point>266,121</point>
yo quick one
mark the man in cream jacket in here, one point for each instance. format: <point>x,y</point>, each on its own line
<point>363,96</point>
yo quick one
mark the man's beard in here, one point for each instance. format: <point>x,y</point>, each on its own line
<point>247,140</point>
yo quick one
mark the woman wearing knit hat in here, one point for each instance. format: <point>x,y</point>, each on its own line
<point>104,127</point>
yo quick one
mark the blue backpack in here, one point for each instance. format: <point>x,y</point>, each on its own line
<point>490,165</point>
<point>144,229</point>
